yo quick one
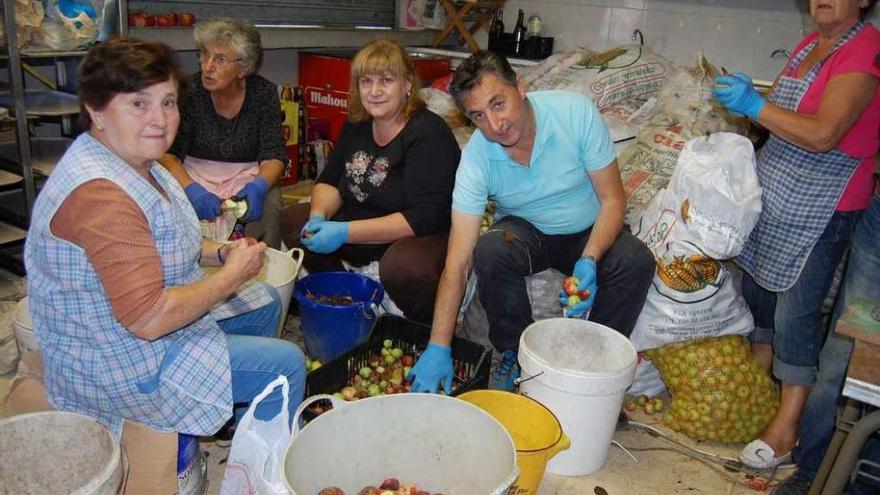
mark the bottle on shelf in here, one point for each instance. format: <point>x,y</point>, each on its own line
<point>496,31</point>
<point>519,34</point>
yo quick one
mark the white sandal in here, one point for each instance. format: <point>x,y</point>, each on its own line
<point>759,455</point>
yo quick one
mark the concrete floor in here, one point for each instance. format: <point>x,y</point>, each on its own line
<point>659,466</point>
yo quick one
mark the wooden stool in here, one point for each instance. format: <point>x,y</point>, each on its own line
<point>482,11</point>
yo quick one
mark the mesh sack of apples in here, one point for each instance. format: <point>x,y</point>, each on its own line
<point>719,391</point>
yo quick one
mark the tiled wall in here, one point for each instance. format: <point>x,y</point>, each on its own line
<point>736,34</point>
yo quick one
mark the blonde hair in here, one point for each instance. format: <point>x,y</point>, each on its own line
<point>377,57</point>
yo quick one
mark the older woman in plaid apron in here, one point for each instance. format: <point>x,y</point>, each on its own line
<point>818,157</point>
<point>129,325</point>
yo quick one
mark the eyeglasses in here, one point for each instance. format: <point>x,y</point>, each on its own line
<point>220,60</point>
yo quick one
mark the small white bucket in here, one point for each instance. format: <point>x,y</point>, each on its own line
<point>580,370</point>
<point>454,447</point>
<point>279,270</point>
<point>24,327</point>
<point>59,453</point>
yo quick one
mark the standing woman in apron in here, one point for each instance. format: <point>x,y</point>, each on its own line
<point>816,172</point>
<point>230,142</point>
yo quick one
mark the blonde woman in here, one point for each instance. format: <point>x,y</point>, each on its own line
<point>386,192</point>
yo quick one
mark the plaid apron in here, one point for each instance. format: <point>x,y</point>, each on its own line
<point>180,382</point>
<point>801,190</point>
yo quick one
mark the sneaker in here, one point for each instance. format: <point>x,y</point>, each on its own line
<point>796,484</point>
<point>223,437</point>
<point>506,373</point>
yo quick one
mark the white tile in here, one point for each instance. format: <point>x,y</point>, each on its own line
<point>764,10</point>
<point>623,23</point>
<point>692,7</point>
<point>735,44</point>
<point>680,37</point>
<point>631,4</point>
<point>576,27</point>
<point>773,35</point>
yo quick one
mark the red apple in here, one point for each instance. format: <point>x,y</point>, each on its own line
<point>139,19</point>
<point>166,20</point>
<point>406,360</point>
<point>186,19</point>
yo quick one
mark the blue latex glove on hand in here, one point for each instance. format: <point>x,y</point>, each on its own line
<point>311,225</point>
<point>585,271</point>
<point>434,366</point>
<point>255,194</point>
<point>206,203</point>
<point>326,237</point>
<point>738,94</point>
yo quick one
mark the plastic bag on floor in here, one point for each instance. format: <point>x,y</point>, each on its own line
<point>255,462</point>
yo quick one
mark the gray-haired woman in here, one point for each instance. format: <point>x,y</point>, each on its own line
<point>230,142</point>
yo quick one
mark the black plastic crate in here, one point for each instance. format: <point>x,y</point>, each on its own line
<point>471,360</point>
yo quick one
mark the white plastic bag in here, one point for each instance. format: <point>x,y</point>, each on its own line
<point>255,463</point>
<point>691,297</point>
<point>721,199</point>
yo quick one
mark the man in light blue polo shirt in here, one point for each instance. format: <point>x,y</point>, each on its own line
<point>547,160</point>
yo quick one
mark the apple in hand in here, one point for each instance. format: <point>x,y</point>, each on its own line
<point>186,19</point>
<point>570,286</point>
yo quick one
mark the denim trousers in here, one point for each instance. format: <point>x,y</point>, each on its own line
<point>790,320</point>
<point>514,248</point>
<point>862,281</point>
<point>256,358</point>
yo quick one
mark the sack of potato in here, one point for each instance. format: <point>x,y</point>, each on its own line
<point>719,391</point>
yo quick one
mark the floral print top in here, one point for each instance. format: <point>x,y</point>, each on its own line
<point>413,174</point>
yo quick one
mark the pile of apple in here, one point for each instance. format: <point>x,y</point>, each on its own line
<point>390,486</point>
<point>384,374</point>
<point>719,391</point>
<point>145,19</point>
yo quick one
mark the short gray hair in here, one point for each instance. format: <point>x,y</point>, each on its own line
<point>239,34</point>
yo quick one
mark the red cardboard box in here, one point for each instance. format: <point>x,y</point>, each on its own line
<point>324,76</point>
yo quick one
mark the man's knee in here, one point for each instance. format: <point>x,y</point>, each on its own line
<point>490,249</point>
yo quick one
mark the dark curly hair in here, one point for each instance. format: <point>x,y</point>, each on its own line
<point>122,65</point>
<point>470,72</point>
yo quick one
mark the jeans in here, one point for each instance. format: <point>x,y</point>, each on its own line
<point>513,248</point>
<point>791,319</point>
<point>862,281</point>
<point>256,358</point>
<point>409,268</point>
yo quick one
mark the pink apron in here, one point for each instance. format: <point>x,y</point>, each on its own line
<point>224,179</point>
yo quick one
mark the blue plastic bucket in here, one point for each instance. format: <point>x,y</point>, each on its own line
<point>329,331</point>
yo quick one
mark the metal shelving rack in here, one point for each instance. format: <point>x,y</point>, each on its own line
<point>25,107</point>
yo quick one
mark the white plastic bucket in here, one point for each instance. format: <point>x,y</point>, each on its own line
<point>580,370</point>
<point>279,270</point>
<point>441,444</point>
<point>59,453</point>
<point>24,327</point>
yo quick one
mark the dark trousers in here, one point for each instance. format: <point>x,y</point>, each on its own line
<point>513,248</point>
<point>409,268</point>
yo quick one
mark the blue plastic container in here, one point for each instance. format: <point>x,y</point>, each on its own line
<point>329,331</point>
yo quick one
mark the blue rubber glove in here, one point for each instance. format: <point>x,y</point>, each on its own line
<point>326,237</point>
<point>585,271</point>
<point>255,193</point>
<point>206,203</point>
<point>434,366</point>
<point>73,8</point>
<point>311,225</point>
<point>738,94</point>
